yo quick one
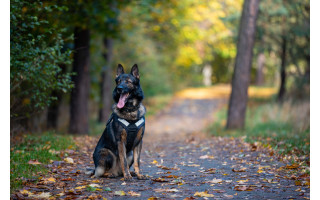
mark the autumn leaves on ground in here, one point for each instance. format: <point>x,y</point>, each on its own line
<point>184,156</point>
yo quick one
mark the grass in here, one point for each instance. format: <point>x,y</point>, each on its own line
<point>284,127</point>
<point>42,148</point>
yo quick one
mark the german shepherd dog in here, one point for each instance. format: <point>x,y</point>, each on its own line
<point>120,144</point>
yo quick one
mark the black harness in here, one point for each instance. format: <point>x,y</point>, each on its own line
<point>131,126</point>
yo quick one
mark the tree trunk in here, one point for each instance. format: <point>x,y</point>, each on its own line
<point>106,82</point>
<point>79,115</point>
<point>53,110</point>
<point>283,75</point>
<point>241,75</point>
<point>260,64</point>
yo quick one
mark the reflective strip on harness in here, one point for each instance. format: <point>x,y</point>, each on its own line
<point>123,121</point>
<point>139,122</point>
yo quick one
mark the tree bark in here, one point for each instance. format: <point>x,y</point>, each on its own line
<point>79,116</point>
<point>260,65</point>
<point>53,110</point>
<point>283,75</point>
<point>106,82</point>
<point>241,75</point>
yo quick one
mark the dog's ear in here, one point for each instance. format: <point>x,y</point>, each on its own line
<point>120,70</point>
<point>135,71</point>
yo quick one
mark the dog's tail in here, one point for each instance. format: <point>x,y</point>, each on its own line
<point>89,171</point>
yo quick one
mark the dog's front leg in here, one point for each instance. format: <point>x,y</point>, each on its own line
<point>123,157</point>
<point>136,156</point>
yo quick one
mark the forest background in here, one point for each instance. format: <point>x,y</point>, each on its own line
<point>63,56</point>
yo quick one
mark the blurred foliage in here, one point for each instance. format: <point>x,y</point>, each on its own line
<point>35,55</point>
<point>170,40</point>
<point>289,20</point>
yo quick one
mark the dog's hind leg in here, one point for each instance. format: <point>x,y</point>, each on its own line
<point>103,162</point>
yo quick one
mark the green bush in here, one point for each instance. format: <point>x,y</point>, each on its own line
<point>36,57</point>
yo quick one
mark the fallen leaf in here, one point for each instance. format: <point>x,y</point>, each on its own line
<point>260,171</point>
<point>239,170</point>
<point>170,176</point>
<point>203,194</point>
<point>153,198</point>
<point>119,193</point>
<point>159,180</point>
<point>243,188</point>
<point>80,187</point>
<point>26,192</point>
<point>60,194</point>
<point>298,183</point>
<point>69,160</point>
<point>154,162</point>
<point>134,194</point>
<point>94,185</point>
<point>242,181</point>
<point>215,181</point>
<point>210,171</point>
<point>293,166</point>
<point>165,190</point>
<point>67,179</point>
<point>107,189</point>
<point>189,198</point>
<point>34,162</point>
<point>51,179</point>
<point>228,196</point>
<point>166,168</point>
<point>43,195</point>
<point>193,165</point>
<point>206,157</point>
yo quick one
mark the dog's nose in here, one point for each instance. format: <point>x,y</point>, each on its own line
<point>119,88</point>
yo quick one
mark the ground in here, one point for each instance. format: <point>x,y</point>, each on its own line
<point>181,161</point>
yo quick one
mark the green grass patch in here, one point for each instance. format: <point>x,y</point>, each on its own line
<point>286,127</point>
<point>34,147</point>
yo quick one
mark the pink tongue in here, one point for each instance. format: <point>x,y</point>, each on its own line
<point>122,100</point>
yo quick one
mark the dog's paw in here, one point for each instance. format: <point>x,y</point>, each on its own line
<point>142,177</point>
<point>133,174</point>
<point>128,178</point>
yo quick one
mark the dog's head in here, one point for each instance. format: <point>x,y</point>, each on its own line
<point>127,91</point>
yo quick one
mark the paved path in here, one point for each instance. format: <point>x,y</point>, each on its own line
<point>182,163</point>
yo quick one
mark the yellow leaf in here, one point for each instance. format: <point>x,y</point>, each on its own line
<point>119,193</point>
<point>51,179</point>
<point>60,194</point>
<point>203,194</point>
<point>154,162</point>
<point>80,187</point>
<point>260,171</point>
<point>26,192</point>
<point>69,160</point>
<point>134,194</point>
